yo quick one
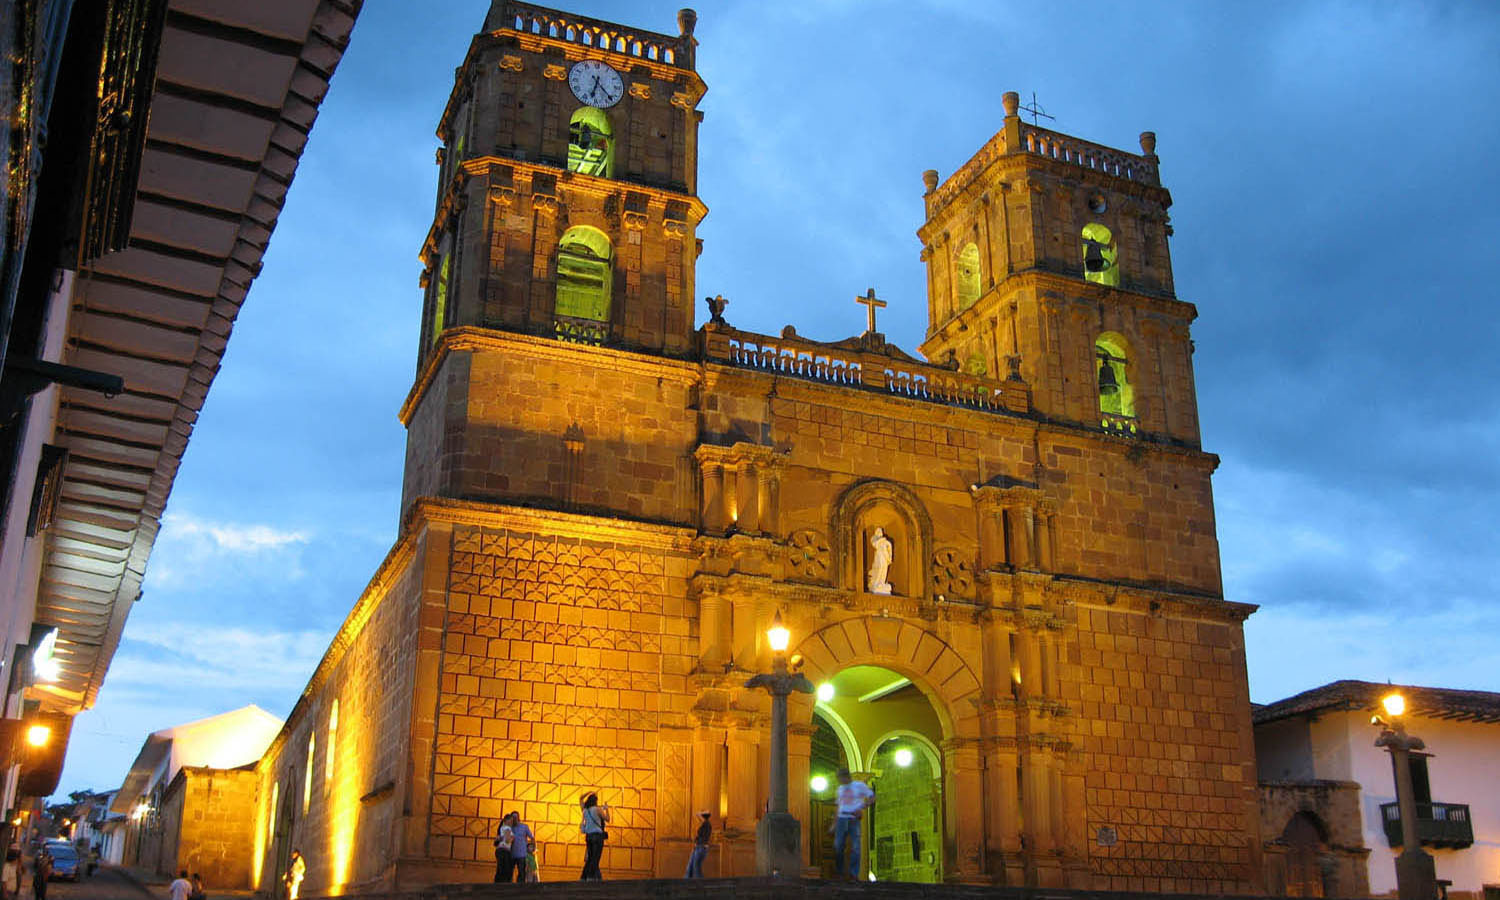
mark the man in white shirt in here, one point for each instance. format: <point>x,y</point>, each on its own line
<point>854,797</point>
<point>181,888</point>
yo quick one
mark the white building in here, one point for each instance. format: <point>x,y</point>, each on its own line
<point>1323,740</point>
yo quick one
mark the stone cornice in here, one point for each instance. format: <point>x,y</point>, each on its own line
<point>576,526</point>
<point>469,339</point>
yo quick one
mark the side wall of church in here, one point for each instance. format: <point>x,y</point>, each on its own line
<point>563,656</point>
<point>345,805</point>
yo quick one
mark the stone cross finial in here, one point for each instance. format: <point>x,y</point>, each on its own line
<point>870,304</point>
<point>716,306</point>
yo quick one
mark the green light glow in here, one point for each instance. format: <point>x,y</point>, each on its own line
<point>591,143</point>
<point>1101,255</point>
<point>967,275</point>
<point>440,301</point>
<point>585,274</point>
<point>1111,356</point>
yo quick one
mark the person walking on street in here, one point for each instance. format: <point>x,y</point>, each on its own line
<point>854,797</point>
<point>700,845</point>
<point>41,873</point>
<point>522,842</point>
<point>197,893</point>
<point>595,818</point>
<point>180,888</point>
<point>502,849</point>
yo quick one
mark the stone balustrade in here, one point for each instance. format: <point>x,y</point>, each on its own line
<point>799,358</point>
<point>1041,141</point>
<point>672,51</point>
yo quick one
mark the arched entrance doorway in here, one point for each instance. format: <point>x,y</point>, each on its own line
<point>879,725</point>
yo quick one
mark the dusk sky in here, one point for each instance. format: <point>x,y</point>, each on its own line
<point>1329,162</point>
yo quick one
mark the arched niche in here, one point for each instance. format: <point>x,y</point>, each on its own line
<point>901,517</point>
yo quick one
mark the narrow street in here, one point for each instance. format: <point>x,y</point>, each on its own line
<point>107,884</point>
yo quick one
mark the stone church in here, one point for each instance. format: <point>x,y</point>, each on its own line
<point>997,559</point>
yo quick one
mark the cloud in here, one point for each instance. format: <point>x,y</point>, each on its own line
<point>233,538</point>
<point>194,551</point>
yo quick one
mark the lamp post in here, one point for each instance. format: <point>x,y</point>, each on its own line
<point>778,837</point>
<point>1416,876</point>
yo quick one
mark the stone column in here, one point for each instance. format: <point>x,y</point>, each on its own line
<point>729,483</point>
<point>711,630</point>
<point>964,792</point>
<point>1036,801</point>
<point>713,496</point>
<point>708,769</point>
<point>1044,554</point>
<point>767,512</point>
<point>1005,812</point>
<point>799,770</point>
<point>1017,548</point>
<point>992,551</point>
<point>744,632</point>
<point>747,494</point>
<point>743,788</point>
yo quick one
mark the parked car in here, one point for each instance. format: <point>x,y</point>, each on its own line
<point>64,862</point>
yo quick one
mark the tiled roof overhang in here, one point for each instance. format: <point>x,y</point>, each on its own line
<point>238,87</point>
<point>1425,702</point>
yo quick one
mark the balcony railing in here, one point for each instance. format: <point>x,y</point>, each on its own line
<point>1438,824</point>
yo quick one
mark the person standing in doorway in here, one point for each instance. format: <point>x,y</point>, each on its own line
<point>522,842</point>
<point>180,888</point>
<point>700,845</point>
<point>595,818</point>
<point>854,797</point>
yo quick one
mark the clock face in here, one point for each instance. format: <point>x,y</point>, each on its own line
<point>596,84</point>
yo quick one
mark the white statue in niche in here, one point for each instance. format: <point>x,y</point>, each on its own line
<point>880,562</point>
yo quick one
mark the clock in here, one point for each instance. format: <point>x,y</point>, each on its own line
<point>596,84</point>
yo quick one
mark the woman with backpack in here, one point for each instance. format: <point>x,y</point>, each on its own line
<point>595,818</point>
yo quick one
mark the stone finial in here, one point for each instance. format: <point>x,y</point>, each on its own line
<point>687,20</point>
<point>1148,143</point>
<point>1012,103</point>
<point>930,179</point>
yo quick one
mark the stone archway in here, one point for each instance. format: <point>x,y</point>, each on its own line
<point>952,689</point>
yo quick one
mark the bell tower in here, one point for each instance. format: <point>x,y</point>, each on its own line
<point>562,247</point>
<point>567,184</point>
<point>1047,262</point>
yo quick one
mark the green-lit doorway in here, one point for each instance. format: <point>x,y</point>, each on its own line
<point>883,728</point>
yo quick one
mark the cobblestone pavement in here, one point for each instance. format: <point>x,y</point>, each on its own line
<point>107,884</point>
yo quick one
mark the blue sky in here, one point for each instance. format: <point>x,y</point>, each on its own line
<point>1335,167</point>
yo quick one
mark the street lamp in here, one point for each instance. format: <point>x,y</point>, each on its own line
<point>778,837</point>
<point>1416,876</point>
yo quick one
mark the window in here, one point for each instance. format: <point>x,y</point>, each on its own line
<point>591,143</point>
<point>967,276</point>
<point>1101,255</point>
<point>440,297</point>
<point>585,275</point>
<point>307,781</point>
<point>333,733</point>
<point>1116,396</point>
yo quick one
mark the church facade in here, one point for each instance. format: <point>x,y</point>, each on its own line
<point>999,564</point>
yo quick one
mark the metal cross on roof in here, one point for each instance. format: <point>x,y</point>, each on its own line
<point>870,304</point>
<point>1037,112</point>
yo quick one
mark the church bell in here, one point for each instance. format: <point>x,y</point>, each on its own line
<point>1093,256</point>
<point>1108,386</point>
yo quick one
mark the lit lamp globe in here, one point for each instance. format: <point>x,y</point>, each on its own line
<point>819,784</point>
<point>777,635</point>
<point>1395,704</point>
<point>825,692</point>
<point>903,757</point>
<point>38,735</point>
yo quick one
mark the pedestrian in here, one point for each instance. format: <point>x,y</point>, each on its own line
<point>197,893</point>
<point>854,797</point>
<point>595,833</point>
<point>700,845</point>
<point>521,844</point>
<point>10,877</point>
<point>41,873</point>
<point>296,870</point>
<point>180,888</point>
<point>502,849</point>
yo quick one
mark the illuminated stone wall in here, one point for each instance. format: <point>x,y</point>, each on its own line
<point>216,837</point>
